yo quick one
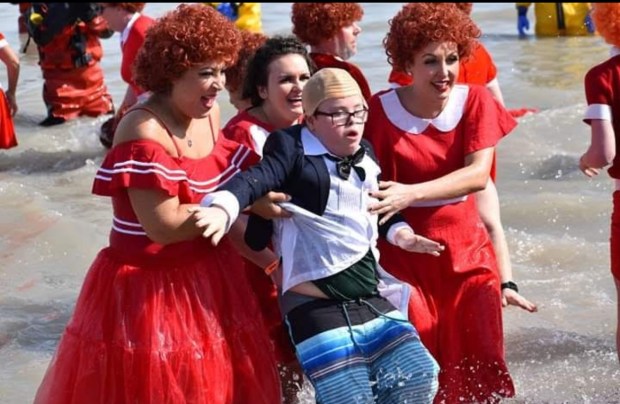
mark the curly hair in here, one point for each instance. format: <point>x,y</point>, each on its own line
<point>190,35</point>
<point>257,71</point>
<point>418,24</point>
<point>606,18</point>
<point>130,7</point>
<point>250,41</point>
<point>316,22</point>
<point>465,7</point>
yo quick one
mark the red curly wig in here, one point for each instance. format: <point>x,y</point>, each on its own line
<point>418,24</point>
<point>465,7</point>
<point>130,7</point>
<point>190,35</point>
<point>606,18</point>
<point>250,41</point>
<point>316,22</point>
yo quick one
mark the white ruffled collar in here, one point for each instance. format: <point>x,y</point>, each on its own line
<point>445,121</point>
<point>614,51</point>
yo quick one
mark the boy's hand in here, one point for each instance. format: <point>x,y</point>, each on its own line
<point>212,220</point>
<point>267,207</point>
<point>407,240</point>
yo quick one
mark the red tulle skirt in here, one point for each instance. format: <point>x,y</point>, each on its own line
<point>7,130</point>
<point>182,332</point>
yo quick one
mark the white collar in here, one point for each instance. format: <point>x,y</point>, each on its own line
<point>312,145</point>
<point>614,51</point>
<point>445,121</point>
<point>127,29</point>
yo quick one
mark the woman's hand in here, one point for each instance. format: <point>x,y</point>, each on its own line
<point>212,220</point>
<point>407,240</point>
<point>12,103</point>
<point>393,197</point>
<point>586,169</point>
<point>268,208</point>
<point>513,298</point>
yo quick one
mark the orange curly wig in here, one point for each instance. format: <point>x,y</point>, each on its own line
<point>465,7</point>
<point>130,7</point>
<point>316,22</point>
<point>250,41</point>
<point>418,24</point>
<point>190,35</point>
<point>606,18</point>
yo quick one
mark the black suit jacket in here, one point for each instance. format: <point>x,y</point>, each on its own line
<point>285,168</point>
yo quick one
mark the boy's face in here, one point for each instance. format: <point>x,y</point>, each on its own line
<point>339,124</point>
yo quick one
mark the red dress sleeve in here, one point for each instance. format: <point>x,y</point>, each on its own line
<point>484,120</point>
<point>138,164</point>
<point>598,85</point>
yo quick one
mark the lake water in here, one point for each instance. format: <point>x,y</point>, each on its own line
<point>556,220</point>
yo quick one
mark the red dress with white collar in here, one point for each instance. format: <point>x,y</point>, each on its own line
<point>455,305</point>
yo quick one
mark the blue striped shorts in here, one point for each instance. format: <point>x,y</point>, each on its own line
<point>362,351</point>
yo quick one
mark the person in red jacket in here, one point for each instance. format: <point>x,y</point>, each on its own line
<point>126,18</point>
<point>331,30</point>
<point>67,37</point>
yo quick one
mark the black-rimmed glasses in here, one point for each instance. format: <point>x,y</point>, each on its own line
<point>342,118</point>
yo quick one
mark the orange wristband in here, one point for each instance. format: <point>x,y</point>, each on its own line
<point>272,267</point>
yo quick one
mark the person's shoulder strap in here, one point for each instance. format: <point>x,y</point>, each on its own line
<point>163,124</point>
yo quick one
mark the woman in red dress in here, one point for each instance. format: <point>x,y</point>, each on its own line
<point>436,141</point>
<point>163,315</point>
<point>479,68</point>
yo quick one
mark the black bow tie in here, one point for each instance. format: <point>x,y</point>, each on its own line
<point>343,165</point>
